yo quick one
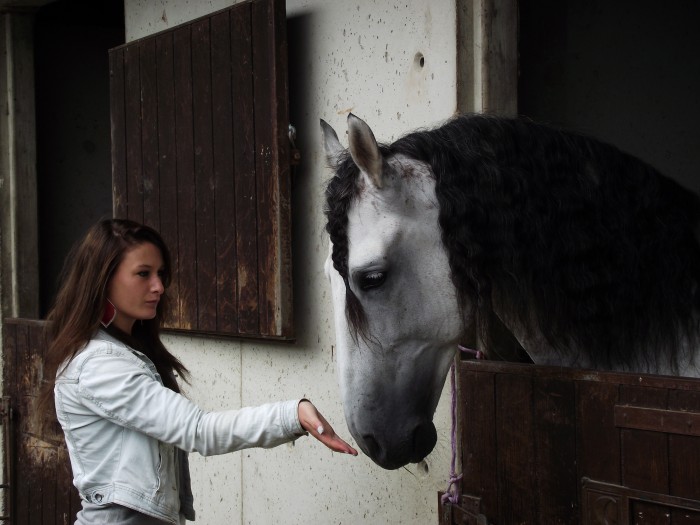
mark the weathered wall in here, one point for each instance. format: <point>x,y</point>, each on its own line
<point>345,55</point>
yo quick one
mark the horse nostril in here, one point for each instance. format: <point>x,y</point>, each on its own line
<point>424,439</point>
<point>372,445</point>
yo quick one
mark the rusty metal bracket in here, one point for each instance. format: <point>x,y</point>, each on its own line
<point>467,512</point>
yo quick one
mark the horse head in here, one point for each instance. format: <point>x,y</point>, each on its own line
<point>397,316</point>
<point>587,256</point>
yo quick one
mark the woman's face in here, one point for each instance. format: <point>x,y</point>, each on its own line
<point>136,286</point>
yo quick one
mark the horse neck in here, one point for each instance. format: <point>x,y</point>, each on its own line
<point>543,353</point>
<point>536,345</point>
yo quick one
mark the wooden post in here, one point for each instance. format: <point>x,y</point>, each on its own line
<point>19,260</point>
<point>487,56</point>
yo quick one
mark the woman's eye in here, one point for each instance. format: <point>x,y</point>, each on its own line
<point>371,280</point>
<point>143,273</point>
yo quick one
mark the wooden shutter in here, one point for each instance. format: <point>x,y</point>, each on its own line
<point>200,151</point>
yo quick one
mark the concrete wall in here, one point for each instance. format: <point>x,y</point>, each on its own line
<point>345,55</point>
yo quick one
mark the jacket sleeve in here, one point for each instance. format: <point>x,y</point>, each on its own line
<point>118,387</point>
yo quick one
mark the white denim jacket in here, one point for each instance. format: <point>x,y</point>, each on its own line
<point>122,426</point>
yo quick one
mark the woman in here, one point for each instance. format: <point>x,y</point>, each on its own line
<point>127,427</point>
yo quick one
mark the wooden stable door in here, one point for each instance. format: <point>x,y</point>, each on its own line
<point>38,469</point>
<point>547,445</point>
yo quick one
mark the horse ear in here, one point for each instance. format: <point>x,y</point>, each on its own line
<point>364,149</point>
<point>331,144</point>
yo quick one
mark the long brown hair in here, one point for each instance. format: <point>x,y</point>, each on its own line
<point>75,316</point>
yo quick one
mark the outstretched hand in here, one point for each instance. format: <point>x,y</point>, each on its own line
<point>315,424</point>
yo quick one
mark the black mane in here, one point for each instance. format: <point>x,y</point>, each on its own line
<point>593,247</point>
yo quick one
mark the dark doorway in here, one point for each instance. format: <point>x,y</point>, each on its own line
<point>72,38</point>
<point>627,72</point>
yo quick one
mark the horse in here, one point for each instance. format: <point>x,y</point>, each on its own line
<point>581,254</point>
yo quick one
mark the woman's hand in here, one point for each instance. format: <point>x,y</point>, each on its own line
<point>316,425</point>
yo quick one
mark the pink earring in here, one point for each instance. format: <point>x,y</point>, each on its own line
<point>109,314</point>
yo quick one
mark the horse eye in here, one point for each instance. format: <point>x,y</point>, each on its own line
<point>372,280</point>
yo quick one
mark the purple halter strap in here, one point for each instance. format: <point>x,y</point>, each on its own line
<point>452,492</point>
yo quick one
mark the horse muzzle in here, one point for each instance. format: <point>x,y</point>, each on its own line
<point>392,450</point>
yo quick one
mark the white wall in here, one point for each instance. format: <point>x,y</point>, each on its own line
<point>345,55</point>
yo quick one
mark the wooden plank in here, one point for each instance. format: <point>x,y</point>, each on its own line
<point>555,439</point>
<point>22,478</point>
<point>24,374</point>
<point>9,371</point>
<point>49,489</point>
<point>645,463</point>
<point>132,107</point>
<point>244,147</point>
<point>64,475</point>
<point>204,176</point>
<point>597,439</point>
<point>41,485</point>
<point>39,424</point>
<point>118,131</point>
<point>658,420</point>
<point>574,374</point>
<point>279,305</point>
<point>516,450</point>
<point>272,163</point>
<point>34,486</point>
<point>477,416</point>
<point>10,365</point>
<point>168,167</point>
<point>684,463</point>
<point>149,132</point>
<point>265,148</point>
<point>186,224</point>
<point>225,198</point>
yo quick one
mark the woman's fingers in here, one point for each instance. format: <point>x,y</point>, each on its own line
<point>326,435</point>
<point>316,425</point>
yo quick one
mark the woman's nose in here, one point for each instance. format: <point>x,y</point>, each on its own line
<point>157,285</point>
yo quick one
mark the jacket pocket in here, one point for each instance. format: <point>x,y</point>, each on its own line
<point>167,475</point>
